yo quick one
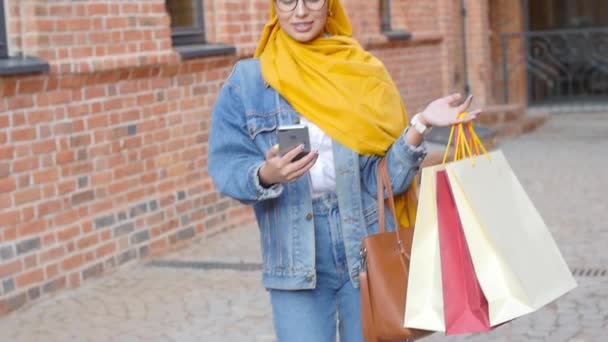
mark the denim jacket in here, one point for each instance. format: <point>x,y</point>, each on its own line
<point>244,127</point>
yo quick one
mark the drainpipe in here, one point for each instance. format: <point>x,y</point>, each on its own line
<point>463,16</point>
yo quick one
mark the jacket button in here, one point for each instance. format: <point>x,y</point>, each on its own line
<point>296,120</point>
<point>309,278</point>
<point>308,216</point>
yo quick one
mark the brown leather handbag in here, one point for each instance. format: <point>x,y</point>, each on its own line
<point>384,273</point>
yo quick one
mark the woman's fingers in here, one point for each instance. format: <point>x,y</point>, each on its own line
<point>293,170</point>
<point>301,163</point>
<point>465,105</point>
<point>272,152</point>
<point>289,156</point>
<point>302,166</point>
<point>470,116</point>
<point>474,114</point>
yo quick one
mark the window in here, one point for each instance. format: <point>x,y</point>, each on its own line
<point>386,25</point>
<point>3,40</point>
<point>187,21</point>
<point>19,64</point>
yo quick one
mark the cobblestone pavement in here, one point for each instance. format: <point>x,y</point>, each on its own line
<point>188,298</point>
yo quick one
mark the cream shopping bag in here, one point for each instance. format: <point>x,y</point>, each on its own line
<point>424,306</point>
<point>516,260</point>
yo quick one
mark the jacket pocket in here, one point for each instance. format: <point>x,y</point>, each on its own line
<point>257,124</point>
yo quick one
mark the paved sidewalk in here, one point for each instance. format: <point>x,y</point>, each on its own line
<point>211,291</point>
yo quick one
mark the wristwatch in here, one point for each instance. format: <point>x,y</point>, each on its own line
<point>419,126</point>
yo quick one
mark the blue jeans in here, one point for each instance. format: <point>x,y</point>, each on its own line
<point>312,315</point>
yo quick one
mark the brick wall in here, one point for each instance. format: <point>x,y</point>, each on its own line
<point>91,36</point>
<point>103,159</point>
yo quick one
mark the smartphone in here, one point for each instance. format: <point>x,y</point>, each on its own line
<point>293,136</point>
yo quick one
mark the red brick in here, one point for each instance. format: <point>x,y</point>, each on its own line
<point>4,121</point>
<point>32,228</point>
<point>9,268</point>
<point>53,98</point>
<point>44,147</point>
<point>48,239</point>
<point>7,152</point>
<point>30,261</point>
<point>28,213</point>
<point>72,262</point>
<point>67,217</point>
<point>20,102</point>
<point>7,184</point>
<point>23,134</point>
<point>52,254</point>
<point>97,121</point>
<point>106,249</point>
<point>46,176</point>
<point>27,196</point>
<point>65,157</point>
<point>68,233</point>
<point>159,246</point>
<point>22,150</point>
<point>123,186</point>
<point>87,241</point>
<point>32,277</point>
<point>24,181</point>
<point>66,187</point>
<point>28,86</point>
<point>5,201</point>
<point>25,164</point>
<point>59,10</point>
<point>49,191</point>
<point>51,270</point>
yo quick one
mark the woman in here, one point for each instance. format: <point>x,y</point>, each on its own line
<point>314,212</point>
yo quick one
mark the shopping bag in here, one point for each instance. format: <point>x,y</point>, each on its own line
<point>465,307</point>
<point>424,308</point>
<point>517,262</point>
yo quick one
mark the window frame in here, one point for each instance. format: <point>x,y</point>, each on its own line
<point>385,16</point>
<point>386,25</point>
<point>3,35</point>
<point>190,35</point>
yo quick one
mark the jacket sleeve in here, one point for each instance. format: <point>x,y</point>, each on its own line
<point>234,159</point>
<point>403,163</point>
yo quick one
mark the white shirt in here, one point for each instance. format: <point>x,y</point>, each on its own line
<point>323,173</point>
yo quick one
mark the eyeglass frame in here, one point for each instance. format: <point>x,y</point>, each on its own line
<point>296,6</point>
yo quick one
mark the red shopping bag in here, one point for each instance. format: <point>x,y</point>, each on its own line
<point>465,306</point>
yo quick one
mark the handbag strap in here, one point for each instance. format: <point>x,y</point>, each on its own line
<point>383,182</point>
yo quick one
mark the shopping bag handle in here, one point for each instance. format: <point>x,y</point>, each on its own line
<point>467,143</point>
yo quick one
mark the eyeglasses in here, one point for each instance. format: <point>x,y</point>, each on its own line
<point>290,5</point>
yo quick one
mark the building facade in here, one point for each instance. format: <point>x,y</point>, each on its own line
<point>105,113</point>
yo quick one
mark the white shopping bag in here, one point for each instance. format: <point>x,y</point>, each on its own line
<point>424,306</point>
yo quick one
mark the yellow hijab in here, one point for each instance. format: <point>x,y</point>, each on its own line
<point>337,85</point>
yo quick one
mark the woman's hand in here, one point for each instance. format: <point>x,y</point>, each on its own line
<point>283,169</point>
<point>444,111</point>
